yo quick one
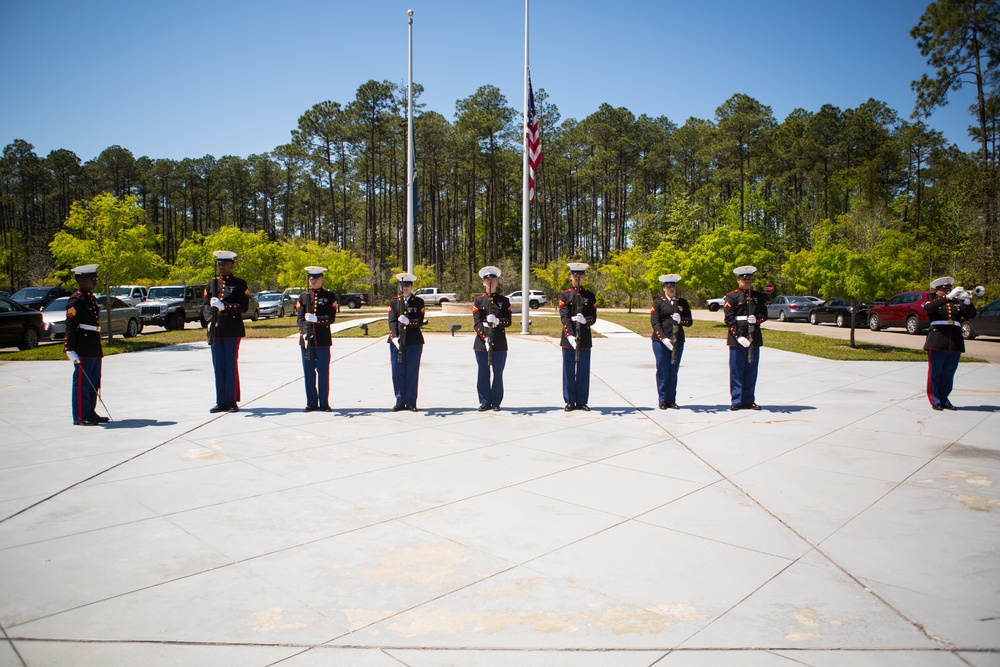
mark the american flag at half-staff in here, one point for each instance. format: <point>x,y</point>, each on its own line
<point>534,136</point>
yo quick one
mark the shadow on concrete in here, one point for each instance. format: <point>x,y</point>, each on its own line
<point>978,408</point>
<point>531,412</point>
<point>136,423</point>
<point>447,412</point>
<point>268,412</point>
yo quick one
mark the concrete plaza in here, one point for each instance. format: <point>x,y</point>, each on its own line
<point>846,523</point>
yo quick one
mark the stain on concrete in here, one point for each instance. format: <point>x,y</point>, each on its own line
<point>809,627</point>
<point>970,478</point>
<point>201,453</point>
<point>431,564</point>
<point>270,619</point>
<point>978,503</point>
<point>619,620</point>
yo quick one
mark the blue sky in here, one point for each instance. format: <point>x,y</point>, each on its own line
<point>188,78</point>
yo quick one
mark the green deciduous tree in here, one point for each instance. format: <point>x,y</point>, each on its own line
<point>553,275</point>
<point>667,258</point>
<point>345,272</point>
<point>710,262</point>
<point>108,230</point>
<point>626,273</point>
<point>257,259</point>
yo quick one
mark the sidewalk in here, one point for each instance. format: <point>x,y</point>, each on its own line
<point>846,523</point>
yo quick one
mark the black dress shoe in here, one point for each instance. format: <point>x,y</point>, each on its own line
<point>949,406</point>
<point>938,406</point>
<point>484,407</point>
<point>752,406</point>
<point>308,408</point>
<point>663,406</point>
<point>100,420</point>
<point>219,408</point>
<point>84,422</point>
<point>674,406</point>
<point>496,408</point>
<point>582,406</point>
<point>735,406</point>
<point>569,407</point>
<point>233,407</point>
<point>325,408</point>
<point>414,408</point>
<point>398,407</point>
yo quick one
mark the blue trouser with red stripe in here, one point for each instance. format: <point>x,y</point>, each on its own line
<point>743,376</point>
<point>225,359</point>
<point>405,373</point>
<point>576,376</point>
<point>86,382</point>
<point>316,370</point>
<point>666,371</point>
<point>941,367</point>
<point>490,393</point>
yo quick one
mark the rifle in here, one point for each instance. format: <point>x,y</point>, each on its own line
<point>750,309</point>
<point>311,328</point>
<point>673,336</point>
<point>489,336</point>
<point>576,311</point>
<point>402,330</point>
<point>214,323</point>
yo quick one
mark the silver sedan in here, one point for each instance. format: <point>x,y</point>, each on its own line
<point>125,319</point>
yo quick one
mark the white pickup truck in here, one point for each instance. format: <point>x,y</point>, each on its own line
<point>433,296</point>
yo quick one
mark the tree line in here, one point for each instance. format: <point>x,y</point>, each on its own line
<point>609,183</point>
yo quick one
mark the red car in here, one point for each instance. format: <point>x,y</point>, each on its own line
<point>906,309</point>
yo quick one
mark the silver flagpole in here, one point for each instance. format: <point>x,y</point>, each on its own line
<point>525,203</point>
<point>410,194</point>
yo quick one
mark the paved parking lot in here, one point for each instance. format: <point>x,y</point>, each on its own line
<point>847,523</point>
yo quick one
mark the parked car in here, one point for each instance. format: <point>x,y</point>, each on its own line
<point>985,323</point>
<point>905,309</point>
<point>125,319</point>
<point>133,295</point>
<point>433,296</point>
<point>19,325</point>
<point>784,308</point>
<point>838,311</point>
<point>171,306</point>
<point>253,310</point>
<point>37,298</point>
<point>814,299</point>
<point>714,304</point>
<point>536,298</point>
<point>275,304</point>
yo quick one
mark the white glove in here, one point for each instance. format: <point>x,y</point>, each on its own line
<point>572,341</point>
<point>579,318</point>
<point>676,317</point>
<point>217,303</point>
<point>751,319</point>
<point>493,319</point>
<point>311,318</point>
<point>954,294</point>
<point>668,344</point>
<point>404,320</point>
<point>745,342</point>
<point>967,302</point>
<point>73,356</point>
<point>394,342</point>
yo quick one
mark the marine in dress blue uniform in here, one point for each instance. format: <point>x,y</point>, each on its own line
<point>491,315</point>
<point>315,311</point>
<point>744,309</point>
<point>946,311</point>
<point>668,317</point>
<point>230,297</point>
<point>406,342</point>
<point>83,347</point>
<point>578,312</point>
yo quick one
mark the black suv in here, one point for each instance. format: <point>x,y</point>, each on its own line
<point>37,298</point>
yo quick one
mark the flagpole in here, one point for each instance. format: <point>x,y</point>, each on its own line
<point>525,203</point>
<point>410,194</point>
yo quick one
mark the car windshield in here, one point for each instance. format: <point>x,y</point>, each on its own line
<point>31,293</point>
<point>269,297</point>
<point>58,304</point>
<point>121,291</point>
<point>166,293</point>
<point>797,299</point>
<point>115,303</point>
